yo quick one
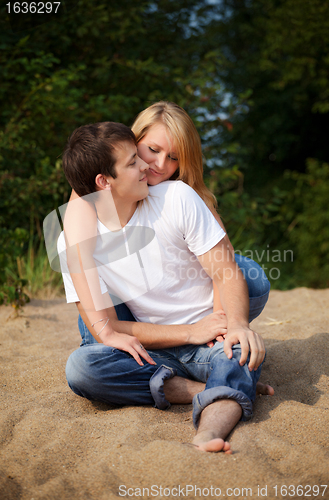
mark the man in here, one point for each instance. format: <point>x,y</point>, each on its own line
<point>160,257</point>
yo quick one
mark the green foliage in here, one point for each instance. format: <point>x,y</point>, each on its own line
<point>309,230</point>
<point>255,224</point>
<point>12,293</point>
<point>253,74</point>
<point>34,269</point>
<point>29,276</point>
<point>11,287</point>
<point>99,62</point>
<point>288,231</point>
<point>275,66</point>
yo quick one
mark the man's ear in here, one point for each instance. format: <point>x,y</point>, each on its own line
<point>102,182</point>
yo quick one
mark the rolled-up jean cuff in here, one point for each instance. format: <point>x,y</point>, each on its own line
<point>209,396</point>
<point>156,386</point>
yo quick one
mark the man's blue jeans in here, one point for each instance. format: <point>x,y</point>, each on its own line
<point>102,373</point>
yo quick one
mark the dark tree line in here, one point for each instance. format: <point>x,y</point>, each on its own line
<point>253,74</point>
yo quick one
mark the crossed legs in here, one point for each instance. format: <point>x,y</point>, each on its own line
<point>180,390</point>
<point>217,420</point>
<point>99,373</point>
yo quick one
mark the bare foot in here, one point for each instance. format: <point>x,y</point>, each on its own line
<point>206,441</point>
<point>264,389</point>
<point>215,445</point>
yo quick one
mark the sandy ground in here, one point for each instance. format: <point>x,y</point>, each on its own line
<point>55,445</point>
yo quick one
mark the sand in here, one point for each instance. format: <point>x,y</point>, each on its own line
<point>55,445</point>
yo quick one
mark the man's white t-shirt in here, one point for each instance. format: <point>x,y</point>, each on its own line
<point>151,264</point>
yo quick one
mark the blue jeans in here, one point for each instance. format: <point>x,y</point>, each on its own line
<point>102,373</point>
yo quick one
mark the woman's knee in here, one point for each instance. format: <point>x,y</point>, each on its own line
<point>258,284</point>
<point>77,370</point>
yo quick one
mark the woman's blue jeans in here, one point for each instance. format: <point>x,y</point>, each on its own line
<point>102,373</point>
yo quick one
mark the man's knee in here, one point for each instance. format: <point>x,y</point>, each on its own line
<point>229,373</point>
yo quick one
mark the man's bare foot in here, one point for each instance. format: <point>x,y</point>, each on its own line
<point>205,441</point>
<point>215,445</point>
<point>264,389</point>
<point>216,422</point>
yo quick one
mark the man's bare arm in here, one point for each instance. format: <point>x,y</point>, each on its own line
<point>164,336</point>
<point>221,267</point>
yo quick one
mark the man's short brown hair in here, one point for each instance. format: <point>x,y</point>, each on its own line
<point>91,151</point>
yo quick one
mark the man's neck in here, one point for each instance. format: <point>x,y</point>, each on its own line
<point>114,215</point>
<point>125,213</point>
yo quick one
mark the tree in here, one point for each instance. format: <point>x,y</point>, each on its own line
<point>275,65</point>
<point>97,62</point>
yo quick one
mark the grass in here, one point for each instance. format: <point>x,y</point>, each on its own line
<point>43,282</point>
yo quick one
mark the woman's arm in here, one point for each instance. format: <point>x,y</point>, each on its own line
<point>165,336</point>
<point>80,230</point>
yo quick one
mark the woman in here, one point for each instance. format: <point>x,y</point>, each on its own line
<point>169,143</point>
<point>152,128</point>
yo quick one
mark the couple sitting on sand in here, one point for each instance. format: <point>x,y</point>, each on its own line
<point>145,256</point>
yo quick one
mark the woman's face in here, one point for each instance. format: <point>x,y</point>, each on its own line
<point>157,149</point>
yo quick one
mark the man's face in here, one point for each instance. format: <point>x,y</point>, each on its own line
<point>130,184</point>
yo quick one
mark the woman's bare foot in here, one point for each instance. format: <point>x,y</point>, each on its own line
<point>264,389</point>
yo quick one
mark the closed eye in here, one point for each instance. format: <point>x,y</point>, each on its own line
<point>133,160</point>
<point>156,152</point>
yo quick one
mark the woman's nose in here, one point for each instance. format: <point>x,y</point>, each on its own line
<point>144,166</point>
<point>160,160</point>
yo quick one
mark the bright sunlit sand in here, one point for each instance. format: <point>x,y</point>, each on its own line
<point>55,445</point>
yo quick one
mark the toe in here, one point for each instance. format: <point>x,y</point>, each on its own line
<point>215,445</point>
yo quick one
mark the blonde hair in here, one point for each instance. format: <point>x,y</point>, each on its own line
<point>187,142</point>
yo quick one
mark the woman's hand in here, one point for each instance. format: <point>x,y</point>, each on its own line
<point>128,344</point>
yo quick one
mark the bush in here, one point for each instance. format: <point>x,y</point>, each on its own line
<point>309,230</point>
<point>286,230</point>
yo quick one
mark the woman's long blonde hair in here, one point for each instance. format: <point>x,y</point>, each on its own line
<point>187,142</point>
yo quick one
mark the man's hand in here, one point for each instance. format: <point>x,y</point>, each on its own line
<point>127,343</point>
<point>249,341</point>
<point>208,329</point>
